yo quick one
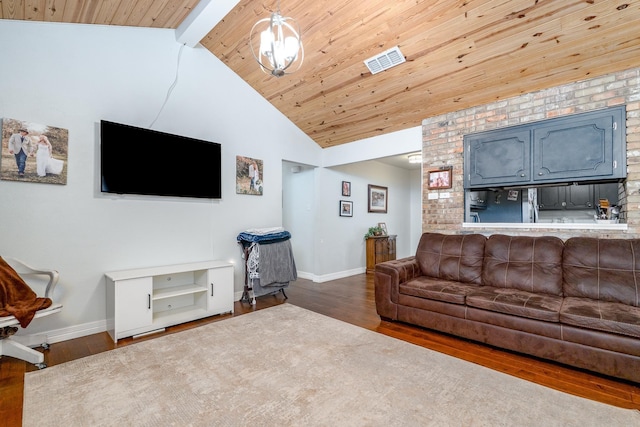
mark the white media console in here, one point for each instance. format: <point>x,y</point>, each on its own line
<point>147,300</point>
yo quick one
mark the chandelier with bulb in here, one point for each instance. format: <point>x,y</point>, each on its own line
<point>280,50</point>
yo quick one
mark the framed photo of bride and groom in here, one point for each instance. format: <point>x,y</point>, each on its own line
<point>249,176</point>
<point>33,152</point>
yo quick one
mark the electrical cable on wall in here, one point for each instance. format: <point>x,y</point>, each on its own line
<point>173,85</point>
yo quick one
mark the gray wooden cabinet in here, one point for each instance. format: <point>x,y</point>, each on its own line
<point>583,147</point>
<point>567,197</point>
<point>501,157</point>
<point>576,197</point>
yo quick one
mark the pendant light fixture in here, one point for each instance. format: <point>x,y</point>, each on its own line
<point>276,45</point>
<point>415,158</point>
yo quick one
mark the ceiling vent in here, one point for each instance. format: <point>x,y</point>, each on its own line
<point>385,60</point>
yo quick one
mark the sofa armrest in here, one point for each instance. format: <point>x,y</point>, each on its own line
<point>387,279</point>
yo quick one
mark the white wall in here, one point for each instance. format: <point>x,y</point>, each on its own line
<point>340,241</point>
<point>72,76</point>
<point>328,246</point>
<point>299,214</point>
<point>356,162</point>
<point>390,144</point>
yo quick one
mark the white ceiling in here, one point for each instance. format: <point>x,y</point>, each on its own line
<point>400,161</point>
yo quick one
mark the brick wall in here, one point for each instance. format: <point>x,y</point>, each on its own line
<point>442,138</point>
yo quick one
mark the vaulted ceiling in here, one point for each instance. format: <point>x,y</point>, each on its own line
<point>459,53</point>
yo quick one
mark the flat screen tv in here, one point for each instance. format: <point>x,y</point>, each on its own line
<point>146,162</point>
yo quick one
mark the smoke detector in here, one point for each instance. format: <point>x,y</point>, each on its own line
<point>385,60</point>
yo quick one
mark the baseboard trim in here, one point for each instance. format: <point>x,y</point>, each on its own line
<point>318,279</point>
<point>77,331</point>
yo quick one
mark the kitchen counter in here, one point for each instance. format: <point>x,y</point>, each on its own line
<point>542,226</point>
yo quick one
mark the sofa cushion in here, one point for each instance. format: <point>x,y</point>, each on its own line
<point>601,315</point>
<point>437,289</point>
<point>520,303</point>
<point>532,264</point>
<point>602,269</point>
<point>456,257</point>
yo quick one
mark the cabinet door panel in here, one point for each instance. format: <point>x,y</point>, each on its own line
<point>550,198</point>
<point>220,290</point>
<point>498,157</point>
<point>567,197</point>
<point>574,149</point>
<point>580,196</point>
<point>133,305</point>
<point>382,250</point>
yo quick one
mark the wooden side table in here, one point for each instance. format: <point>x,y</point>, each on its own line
<point>380,249</point>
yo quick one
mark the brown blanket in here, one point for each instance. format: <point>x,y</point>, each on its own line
<point>17,298</point>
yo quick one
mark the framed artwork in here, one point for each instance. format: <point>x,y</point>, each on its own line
<point>249,178</point>
<point>439,178</point>
<point>33,152</point>
<point>346,208</point>
<point>378,198</point>
<point>383,226</point>
<point>346,188</point>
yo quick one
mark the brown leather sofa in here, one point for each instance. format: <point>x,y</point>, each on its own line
<point>575,302</point>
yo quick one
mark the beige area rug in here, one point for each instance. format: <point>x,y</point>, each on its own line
<point>287,366</point>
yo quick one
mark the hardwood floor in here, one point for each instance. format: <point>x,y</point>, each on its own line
<point>350,300</point>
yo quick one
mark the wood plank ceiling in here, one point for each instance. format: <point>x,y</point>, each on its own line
<point>459,53</point>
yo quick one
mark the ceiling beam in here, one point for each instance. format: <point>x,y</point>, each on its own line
<point>202,19</point>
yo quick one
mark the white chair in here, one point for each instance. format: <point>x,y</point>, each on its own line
<point>20,346</point>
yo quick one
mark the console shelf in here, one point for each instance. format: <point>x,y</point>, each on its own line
<point>177,291</point>
<point>144,300</point>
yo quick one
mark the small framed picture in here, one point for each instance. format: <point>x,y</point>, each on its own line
<point>249,176</point>
<point>378,198</point>
<point>439,178</point>
<point>383,226</point>
<point>346,188</point>
<point>346,208</point>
